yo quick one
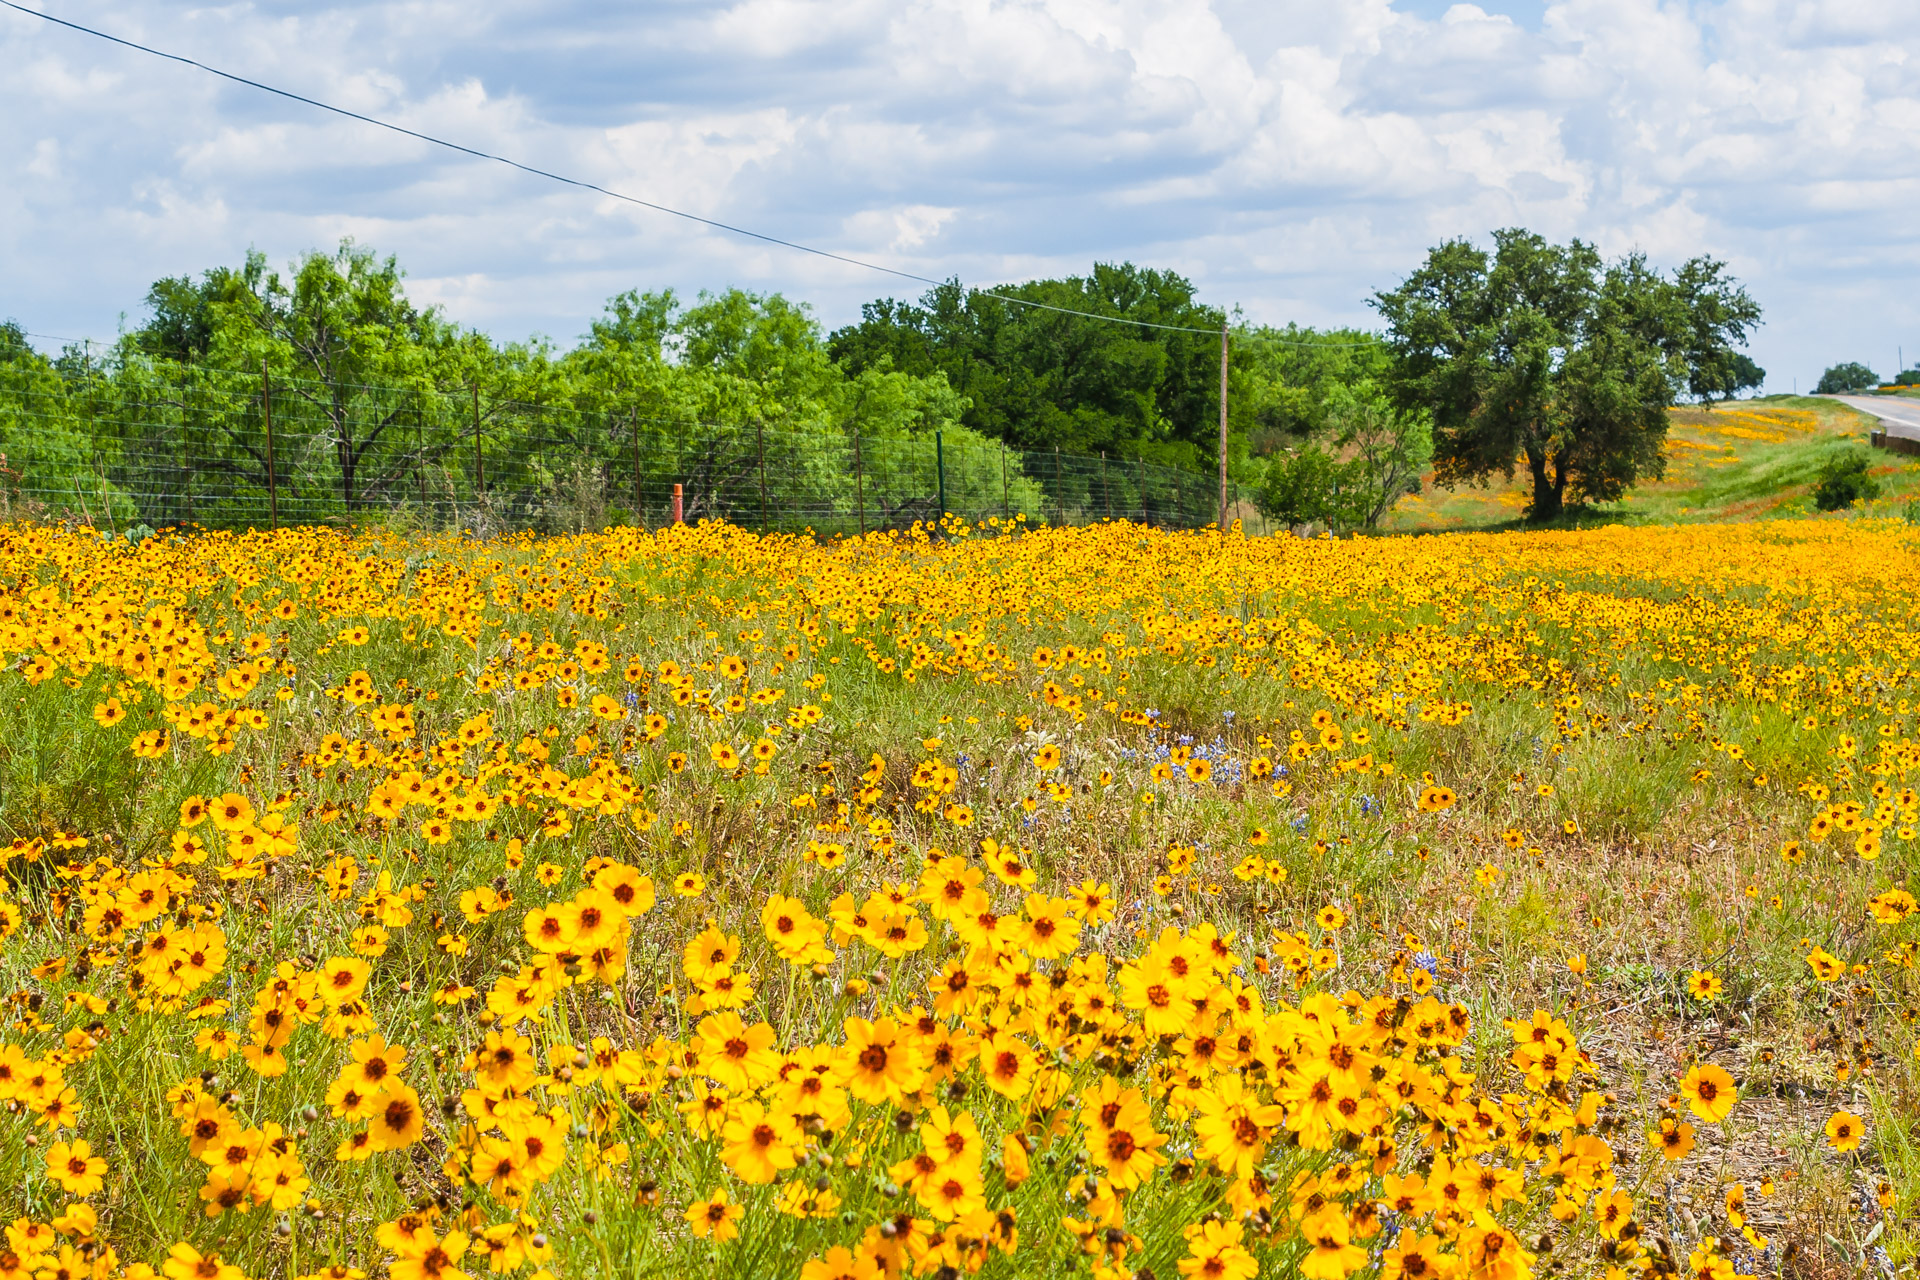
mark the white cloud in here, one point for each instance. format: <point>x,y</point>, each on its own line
<point>897,230</point>
<point>1291,155</point>
<point>43,162</point>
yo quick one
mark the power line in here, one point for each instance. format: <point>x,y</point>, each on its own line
<point>617,195</point>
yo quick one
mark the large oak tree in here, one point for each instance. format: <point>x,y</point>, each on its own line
<point>1545,356</point>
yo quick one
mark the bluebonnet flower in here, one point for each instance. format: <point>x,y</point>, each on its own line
<point>1425,960</point>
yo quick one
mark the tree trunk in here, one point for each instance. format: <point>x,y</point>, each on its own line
<point>343,453</point>
<point>1546,491</point>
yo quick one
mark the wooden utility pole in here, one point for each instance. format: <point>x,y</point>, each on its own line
<point>1224,519</point>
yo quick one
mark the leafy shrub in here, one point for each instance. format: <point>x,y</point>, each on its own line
<point>1389,448</point>
<point>1307,487</point>
<point>1844,481</point>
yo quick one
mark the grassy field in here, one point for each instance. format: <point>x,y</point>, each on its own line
<point>1099,902</point>
<point>1747,460</point>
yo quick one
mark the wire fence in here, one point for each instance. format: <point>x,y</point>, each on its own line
<point>187,446</point>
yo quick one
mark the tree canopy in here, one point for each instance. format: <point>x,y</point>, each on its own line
<point>1842,378</point>
<point>1041,378</point>
<point>1545,356</point>
<point>375,399</point>
<point>1532,354</point>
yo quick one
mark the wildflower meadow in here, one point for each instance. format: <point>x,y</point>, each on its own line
<point>1015,901</point>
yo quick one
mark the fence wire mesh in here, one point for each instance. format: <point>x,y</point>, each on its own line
<point>224,450</point>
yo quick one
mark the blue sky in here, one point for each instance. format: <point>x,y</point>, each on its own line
<point>1291,156</point>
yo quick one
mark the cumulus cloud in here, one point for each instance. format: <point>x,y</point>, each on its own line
<point>1290,155</point>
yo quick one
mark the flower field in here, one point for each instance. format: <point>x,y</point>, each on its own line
<point>1097,902</point>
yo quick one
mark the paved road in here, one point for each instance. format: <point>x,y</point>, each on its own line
<point>1899,416</point>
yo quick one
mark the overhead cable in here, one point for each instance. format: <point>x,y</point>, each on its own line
<point>630,199</point>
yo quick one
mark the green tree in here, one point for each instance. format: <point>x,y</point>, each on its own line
<point>1842,378</point>
<point>338,326</point>
<point>182,315</point>
<point>1308,486</point>
<point>1039,378</point>
<point>1387,446</point>
<point>1746,375</point>
<point>711,389</point>
<point>1542,355</point>
<point>1285,377</point>
<point>376,401</point>
<point>1715,317</point>
<point>635,322</point>
<point>1374,453</point>
<point>362,378</point>
<point>47,453</point>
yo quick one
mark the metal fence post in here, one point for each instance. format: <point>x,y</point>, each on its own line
<point>266,416</point>
<point>1059,493</point>
<point>187,417</point>
<point>639,499</point>
<point>1223,425</point>
<point>420,451</point>
<point>940,473</point>
<point>1145,517</point>
<point>859,483</point>
<point>479,459</point>
<point>1106,490</point>
<point>93,427</point>
<point>1006,494</point>
<point>760,429</point>
<point>99,463</point>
